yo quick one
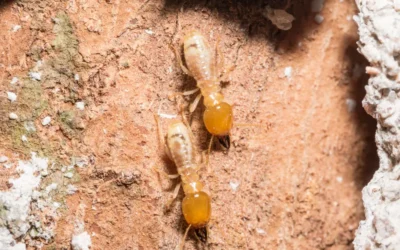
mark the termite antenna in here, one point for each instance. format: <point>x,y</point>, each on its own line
<point>182,244</point>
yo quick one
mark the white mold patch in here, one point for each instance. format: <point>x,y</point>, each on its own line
<point>16,202</point>
<point>234,185</point>
<point>28,212</point>
<point>11,96</point>
<point>69,175</point>
<point>81,241</point>
<point>71,189</point>
<point>3,159</point>
<point>288,72</point>
<point>24,138</point>
<point>14,80</point>
<point>13,116</point>
<point>149,31</point>
<point>80,105</point>
<point>37,76</point>
<point>46,121</point>
<point>7,241</point>
<point>15,28</point>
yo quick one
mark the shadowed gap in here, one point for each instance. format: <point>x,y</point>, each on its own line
<point>4,4</point>
<point>249,14</point>
<point>366,125</point>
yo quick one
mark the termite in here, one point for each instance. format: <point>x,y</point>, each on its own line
<point>202,66</point>
<point>196,205</point>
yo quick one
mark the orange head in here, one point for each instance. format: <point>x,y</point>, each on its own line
<point>218,119</point>
<point>196,208</point>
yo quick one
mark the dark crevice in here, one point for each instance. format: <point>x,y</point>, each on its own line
<point>5,4</point>
<point>366,125</point>
<point>249,14</point>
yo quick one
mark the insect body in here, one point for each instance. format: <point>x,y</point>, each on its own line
<point>196,206</point>
<point>201,64</point>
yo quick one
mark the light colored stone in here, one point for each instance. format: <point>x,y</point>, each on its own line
<point>377,24</point>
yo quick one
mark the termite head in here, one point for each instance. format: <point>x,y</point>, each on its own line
<point>218,119</point>
<point>196,208</point>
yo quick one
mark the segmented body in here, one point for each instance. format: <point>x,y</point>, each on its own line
<point>183,154</point>
<point>199,58</point>
<point>196,206</point>
<point>201,63</point>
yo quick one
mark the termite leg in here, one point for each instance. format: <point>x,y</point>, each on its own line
<point>210,144</point>
<point>205,155</point>
<point>225,73</point>
<point>174,195</point>
<point>182,244</point>
<point>185,121</point>
<point>168,176</point>
<point>205,160</point>
<point>161,136</point>
<point>159,130</point>
<point>171,96</point>
<point>194,104</point>
<point>222,72</point>
<point>179,58</point>
<point>190,92</point>
<point>219,57</point>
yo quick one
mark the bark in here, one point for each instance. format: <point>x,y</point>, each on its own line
<point>378,23</point>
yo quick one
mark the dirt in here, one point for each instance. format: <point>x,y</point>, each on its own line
<point>293,182</point>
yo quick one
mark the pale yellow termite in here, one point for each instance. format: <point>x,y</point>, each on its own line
<point>203,67</point>
<point>196,205</point>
